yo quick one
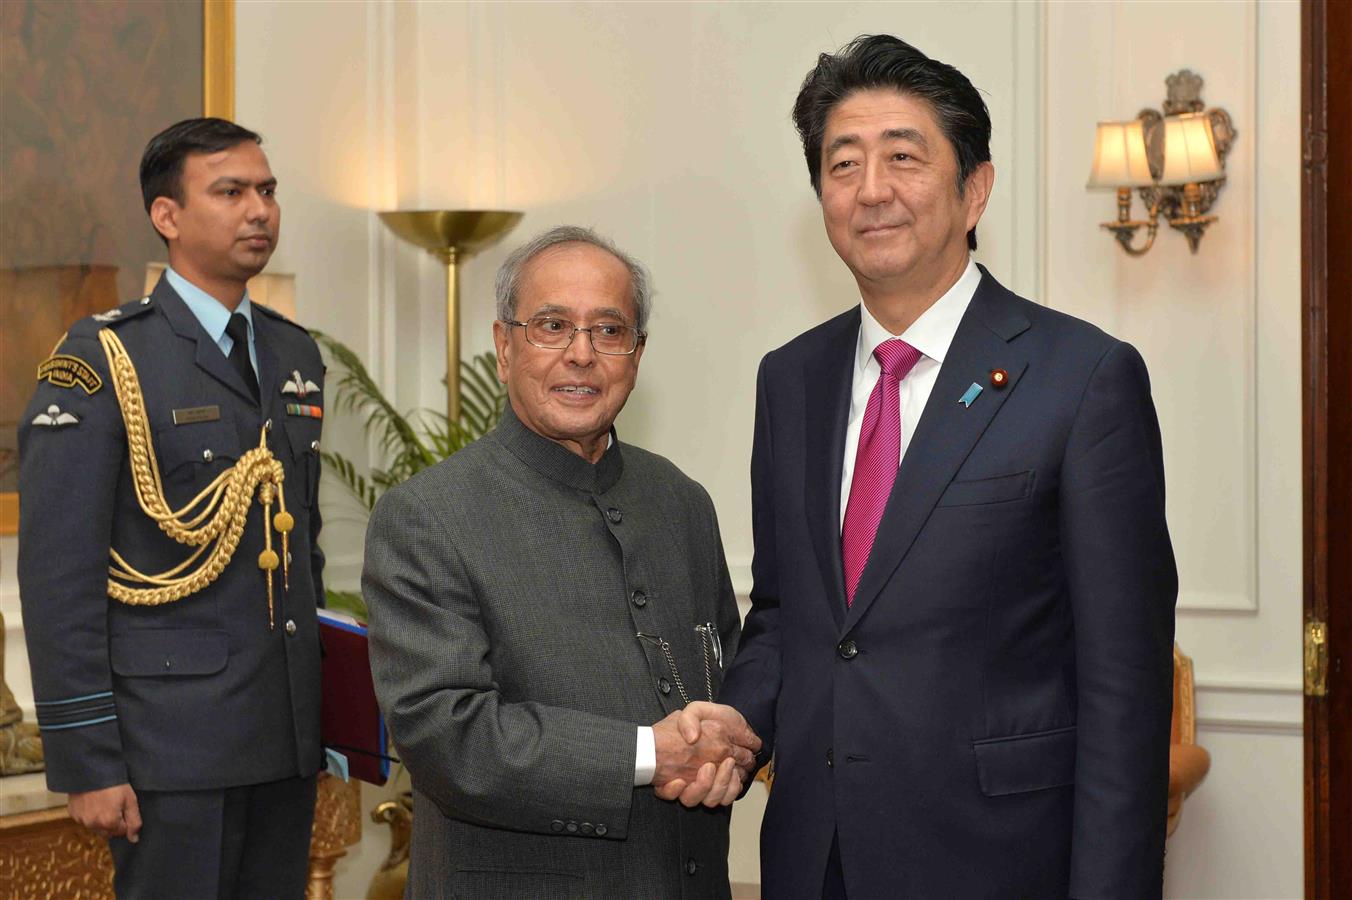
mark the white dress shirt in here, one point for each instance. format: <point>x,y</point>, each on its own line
<point>931,334</point>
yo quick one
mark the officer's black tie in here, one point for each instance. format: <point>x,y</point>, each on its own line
<point>238,329</point>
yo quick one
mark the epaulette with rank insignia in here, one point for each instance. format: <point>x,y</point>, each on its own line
<point>90,325</point>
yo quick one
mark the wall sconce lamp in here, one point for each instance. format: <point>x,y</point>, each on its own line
<point>1175,160</point>
<point>449,235</point>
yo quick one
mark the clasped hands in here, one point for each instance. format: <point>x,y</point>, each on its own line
<point>705,753</point>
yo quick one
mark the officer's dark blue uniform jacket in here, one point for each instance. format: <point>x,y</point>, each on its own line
<point>197,693</point>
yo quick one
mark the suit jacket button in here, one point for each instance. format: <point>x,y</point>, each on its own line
<point>830,758</point>
<point>290,627</point>
<point>556,825</point>
<point>639,599</point>
<point>207,455</point>
<point>571,827</point>
<point>586,828</point>
<point>691,866</point>
<point>664,686</point>
<point>168,663</point>
<point>601,830</point>
<point>847,650</point>
<point>614,515</point>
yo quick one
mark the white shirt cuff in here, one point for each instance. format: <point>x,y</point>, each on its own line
<point>645,760</point>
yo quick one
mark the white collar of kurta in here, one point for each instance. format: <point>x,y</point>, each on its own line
<point>932,333</point>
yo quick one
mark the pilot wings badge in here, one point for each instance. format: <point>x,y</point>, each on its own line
<point>54,417</point>
<point>299,386</point>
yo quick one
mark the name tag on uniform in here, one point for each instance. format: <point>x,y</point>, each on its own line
<point>196,414</point>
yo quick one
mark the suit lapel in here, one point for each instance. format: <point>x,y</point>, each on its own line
<point>947,430</point>
<point>827,378</point>
<point>209,357</point>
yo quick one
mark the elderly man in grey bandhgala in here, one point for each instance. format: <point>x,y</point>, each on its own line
<point>540,599</point>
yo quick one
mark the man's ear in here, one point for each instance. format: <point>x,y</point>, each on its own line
<point>978,192</point>
<point>501,336</point>
<point>164,216</point>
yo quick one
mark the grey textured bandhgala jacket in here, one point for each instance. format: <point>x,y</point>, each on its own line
<point>507,588</point>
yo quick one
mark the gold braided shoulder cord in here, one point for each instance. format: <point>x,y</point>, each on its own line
<point>214,519</point>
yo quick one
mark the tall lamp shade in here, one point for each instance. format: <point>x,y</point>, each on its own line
<point>1189,150</point>
<point>275,290</point>
<point>1119,156</point>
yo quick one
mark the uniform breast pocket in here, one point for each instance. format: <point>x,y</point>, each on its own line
<point>984,491</point>
<point>191,456</point>
<point>303,435</point>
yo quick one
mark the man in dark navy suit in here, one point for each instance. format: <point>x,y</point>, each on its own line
<point>960,646</point>
<point>168,565</point>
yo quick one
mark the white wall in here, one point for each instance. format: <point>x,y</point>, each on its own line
<point>1220,333</point>
<point>666,125</point>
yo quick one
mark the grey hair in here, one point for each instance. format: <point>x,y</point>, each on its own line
<point>509,276</point>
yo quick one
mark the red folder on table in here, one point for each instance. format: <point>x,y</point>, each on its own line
<point>351,723</point>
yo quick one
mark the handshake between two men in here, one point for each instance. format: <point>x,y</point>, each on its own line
<point>706,753</point>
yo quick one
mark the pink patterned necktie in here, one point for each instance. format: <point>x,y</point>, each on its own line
<point>875,463</point>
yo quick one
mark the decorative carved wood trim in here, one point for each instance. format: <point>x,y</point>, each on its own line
<point>45,854</point>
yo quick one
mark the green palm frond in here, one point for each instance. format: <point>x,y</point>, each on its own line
<point>407,443</point>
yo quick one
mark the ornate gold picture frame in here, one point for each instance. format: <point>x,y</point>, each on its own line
<point>63,280</point>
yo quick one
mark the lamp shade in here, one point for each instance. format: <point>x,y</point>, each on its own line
<point>1119,156</point>
<point>1189,150</point>
<point>275,290</point>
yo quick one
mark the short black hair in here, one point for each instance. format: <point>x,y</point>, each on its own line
<point>162,162</point>
<point>873,61</point>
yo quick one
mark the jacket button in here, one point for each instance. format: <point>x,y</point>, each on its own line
<point>614,515</point>
<point>556,825</point>
<point>571,827</point>
<point>586,828</point>
<point>601,830</point>
<point>314,445</point>
<point>207,455</point>
<point>847,650</point>
<point>830,758</point>
<point>290,626</point>
<point>267,426</point>
<point>168,663</point>
<point>691,866</point>
<point>639,599</point>
<point>664,686</point>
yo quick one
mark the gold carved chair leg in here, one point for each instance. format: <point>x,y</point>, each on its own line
<point>337,827</point>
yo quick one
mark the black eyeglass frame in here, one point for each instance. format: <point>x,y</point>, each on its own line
<point>640,337</point>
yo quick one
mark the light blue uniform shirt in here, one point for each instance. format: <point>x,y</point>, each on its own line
<point>214,316</point>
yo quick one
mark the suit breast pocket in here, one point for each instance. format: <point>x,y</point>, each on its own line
<point>303,436</point>
<point>190,456</point>
<point>985,491</point>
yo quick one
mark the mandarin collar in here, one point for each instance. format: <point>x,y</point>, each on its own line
<point>556,462</point>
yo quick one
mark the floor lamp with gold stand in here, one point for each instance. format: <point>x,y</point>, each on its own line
<point>450,235</point>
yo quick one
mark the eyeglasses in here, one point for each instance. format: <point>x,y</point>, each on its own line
<point>610,338</point>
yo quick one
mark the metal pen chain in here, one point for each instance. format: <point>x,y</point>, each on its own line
<point>706,649</point>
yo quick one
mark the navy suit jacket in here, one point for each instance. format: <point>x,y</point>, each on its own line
<point>990,718</point>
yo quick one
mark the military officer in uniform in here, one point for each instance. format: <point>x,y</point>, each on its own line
<point>168,565</point>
